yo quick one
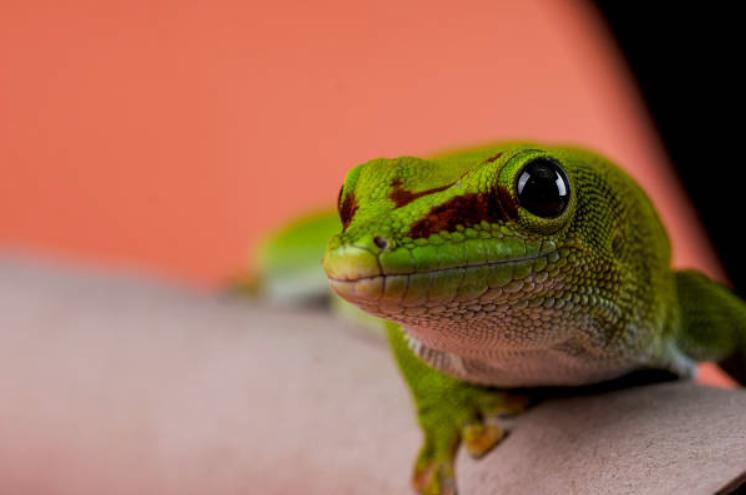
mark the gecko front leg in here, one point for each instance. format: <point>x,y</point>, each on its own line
<point>450,412</point>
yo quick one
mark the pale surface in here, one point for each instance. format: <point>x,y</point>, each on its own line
<point>117,385</point>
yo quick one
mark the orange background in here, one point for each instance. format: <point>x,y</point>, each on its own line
<point>167,135</point>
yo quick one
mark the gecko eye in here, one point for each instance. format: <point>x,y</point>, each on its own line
<point>543,188</point>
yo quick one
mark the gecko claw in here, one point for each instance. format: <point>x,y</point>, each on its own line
<point>480,438</point>
<point>434,475</point>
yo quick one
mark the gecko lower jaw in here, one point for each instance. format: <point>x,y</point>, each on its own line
<point>366,284</point>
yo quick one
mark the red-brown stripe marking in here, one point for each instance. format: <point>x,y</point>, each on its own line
<point>467,210</point>
<point>494,157</point>
<point>508,205</point>
<point>401,196</point>
<point>347,209</point>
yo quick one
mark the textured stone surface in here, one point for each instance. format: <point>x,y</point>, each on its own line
<point>113,384</point>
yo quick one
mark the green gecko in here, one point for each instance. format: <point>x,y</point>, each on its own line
<point>501,268</point>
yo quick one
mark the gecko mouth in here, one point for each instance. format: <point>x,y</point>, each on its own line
<point>369,286</point>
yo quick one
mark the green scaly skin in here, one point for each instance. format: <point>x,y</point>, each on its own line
<point>482,296</point>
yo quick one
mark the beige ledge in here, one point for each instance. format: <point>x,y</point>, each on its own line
<point>119,385</point>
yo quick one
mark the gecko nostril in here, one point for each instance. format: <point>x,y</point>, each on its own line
<point>381,242</point>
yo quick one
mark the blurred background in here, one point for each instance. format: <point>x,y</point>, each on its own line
<point>166,136</point>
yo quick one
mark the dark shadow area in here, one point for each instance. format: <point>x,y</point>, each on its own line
<point>686,58</point>
<point>637,378</point>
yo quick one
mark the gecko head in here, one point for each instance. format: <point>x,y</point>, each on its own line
<point>494,245</point>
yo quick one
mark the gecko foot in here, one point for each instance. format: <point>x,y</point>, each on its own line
<point>472,418</point>
<point>433,471</point>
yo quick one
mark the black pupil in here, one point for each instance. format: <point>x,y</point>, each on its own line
<point>543,188</point>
